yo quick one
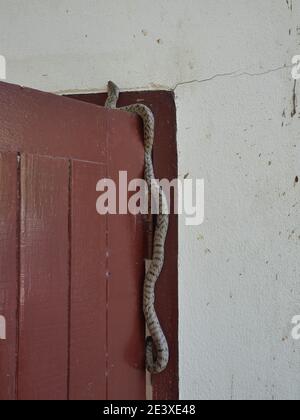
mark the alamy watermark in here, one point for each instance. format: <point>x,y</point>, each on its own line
<point>296,67</point>
<point>296,329</point>
<point>2,67</point>
<point>2,328</point>
<point>182,197</point>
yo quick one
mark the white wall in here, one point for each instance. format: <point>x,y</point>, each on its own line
<point>239,271</point>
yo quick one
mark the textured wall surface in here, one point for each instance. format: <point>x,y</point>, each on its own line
<point>238,128</point>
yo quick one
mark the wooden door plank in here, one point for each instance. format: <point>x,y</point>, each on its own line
<point>88,333</point>
<point>126,239</point>
<point>44,279</point>
<point>9,273</point>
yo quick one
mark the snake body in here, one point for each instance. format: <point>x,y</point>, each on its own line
<point>157,350</point>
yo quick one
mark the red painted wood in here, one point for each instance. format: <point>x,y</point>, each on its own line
<point>61,336</point>
<point>165,385</point>
<point>126,336</point>
<point>46,124</point>
<point>44,275</point>
<point>9,272</point>
<point>88,345</point>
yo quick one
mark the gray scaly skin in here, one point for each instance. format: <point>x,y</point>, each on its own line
<point>157,350</point>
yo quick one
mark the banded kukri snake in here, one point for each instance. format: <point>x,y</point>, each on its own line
<point>157,350</point>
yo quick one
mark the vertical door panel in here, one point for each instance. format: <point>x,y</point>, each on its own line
<point>126,333</point>
<point>44,279</point>
<point>88,287</point>
<point>9,273</point>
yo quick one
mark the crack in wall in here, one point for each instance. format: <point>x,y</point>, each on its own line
<point>152,86</point>
<point>193,81</point>
<point>235,74</point>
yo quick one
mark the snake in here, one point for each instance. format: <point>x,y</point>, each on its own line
<point>157,349</point>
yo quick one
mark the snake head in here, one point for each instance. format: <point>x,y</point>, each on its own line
<point>113,88</point>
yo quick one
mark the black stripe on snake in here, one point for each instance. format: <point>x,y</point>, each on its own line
<point>157,350</point>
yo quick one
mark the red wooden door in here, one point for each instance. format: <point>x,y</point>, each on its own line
<point>70,279</point>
